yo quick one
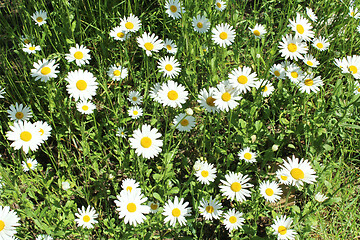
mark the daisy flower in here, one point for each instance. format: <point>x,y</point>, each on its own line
<point>282,228</point>
<point>85,107</point>
<point>223,34</point>
<point>130,184</point>
<point>226,96</point>
<point>44,128</point>
<point>341,63</point>
<point>135,112</point>
<point>117,72</point>
<point>266,88</point>
<point>235,186</point>
<point>270,191</point>
<point>294,73</point>
<point>79,54</point>
<point>86,218</point>
<point>8,222</point>
<point>184,122</point>
<point>210,209</point>
<point>81,84</point>
<point>25,135</point>
<point>2,92</point>
<point>233,220</point>
<point>207,100</point>
<point>319,197</point>
<point>119,34</point>
<point>248,156</point>
<point>172,94</point>
<point>357,87</point>
<point>197,165</point>
<point>150,43</point>
<point>154,207</point>
<point>176,211</point>
<point>135,98</point>
<point>278,71</point>
<point>29,164</point>
<point>258,31</point>
<point>174,9</point>
<point>154,90</point>
<point>206,174</point>
<point>39,17</point>
<point>352,66</point>
<point>299,171</point>
<point>130,24</point>
<point>292,47</point>
<point>44,70</point>
<point>354,12</point>
<point>283,176</point>
<point>321,43</point>
<point>146,142</point>
<point>310,61</point>
<point>170,46</point>
<point>242,79</point>
<point>201,24</point>
<point>311,14</point>
<point>121,132</point>
<point>19,112</point>
<point>30,48</point>
<point>43,237</point>
<point>302,28</point>
<point>169,66</point>
<point>130,207</point>
<point>220,5</point>
<point>310,84</point>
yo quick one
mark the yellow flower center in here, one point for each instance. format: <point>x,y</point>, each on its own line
<point>29,165</point>
<point>85,108</point>
<point>235,187</point>
<point>204,173</point>
<point>129,25</point>
<point>168,67</point>
<point>358,89</point>
<point>45,70</point>
<point>86,218</point>
<point>135,112</point>
<point>265,88</point>
<point>25,136</point>
<point>39,19</point>
<point>297,173</point>
<point>232,219</point>
<point>210,101</point>
<point>176,212</point>
<point>218,5</point>
<point>173,8</point>
<point>2,225</point>
<point>32,48</point>
<point>352,14</point>
<point>153,206</point>
<point>277,73</point>
<point>19,115</point>
<point>242,79</point>
<point>294,74</point>
<point>78,55</point>
<point>149,46</point>
<point>283,177</point>
<point>300,29</point>
<point>282,230</point>
<point>223,35</point>
<point>134,99</point>
<point>173,95</point>
<point>319,45</point>
<point>81,85</point>
<point>41,131</point>
<point>131,207</point>
<point>209,209</point>
<point>226,96</point>
<point>168,47</point>
<point>199,25</point>
<point>145,142</point>
<point>310,63</point>
<point>120,34</point>
<point>309,82</point>
<point>292,47</point>
<point>256,33</point>
<point>247,156</point>
<point>129,188</point>
<point>353,69</point>
<point>117,73</point>
<point>184,122</point>
<point>269,192</point>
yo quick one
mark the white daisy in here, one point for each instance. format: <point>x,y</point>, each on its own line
<point>174,9</point>
<point>154,90</point>
<point>294,73</point>
<point>44,128</point>
<point>352,66</point>
<point>130,207</point>
<point>223,34</point>
<point>44,70</point>
<point>258,31</point>
<point>86,218</point>
<point>270,191</point>
<point>19,112</point>
<point>150,43</point>
<point>9,220</point>
<point>176,211</point>
<point>311,14</point>
<point>201,24</point>
<point>282,228</point>
<point>235,186</point>
<point>170,46</point>
<point>121,132</point>
<point>81,84</point>
<point>310,61</point>
<point>135,112</point>
<point>299,171</point>
<point>172,94</point>
<point>30,48</point>
<point>206,174</point>
<point>146,142</point>
<point>302,28</point>
<point>169,66</point>
<point>2,92</point>
<point>319,197</point>
<point>207,100</point>
<point>354,12</point>
<point>79,54</point>
<point>226,96</point>
<point>233,220</point>
<point>117,72</point>
<point>119,34</point>
<point>310,84</point>
<point>198,164</point>
<point>43,237</point>
<point>266,88</point>
<point>210,209</point>
<point>248,156</point>
<point>130,24</point>
<point>278,71</point>
<point>292,47</point>
<point>283,176</point>
<point>130,184</point>
<point>135,98</point>
<point>39,17</point>
<point>154,207</point>
<point>29,164</point>
<point>25,135</point>
<point>183,122</point>
<point>85,107</point>
<point>220,5</point>
<point>242,79</point>
<point>321,43</point>
<point>341,63</point>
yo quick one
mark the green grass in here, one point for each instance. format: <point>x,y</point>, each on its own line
<point>84,149</point>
